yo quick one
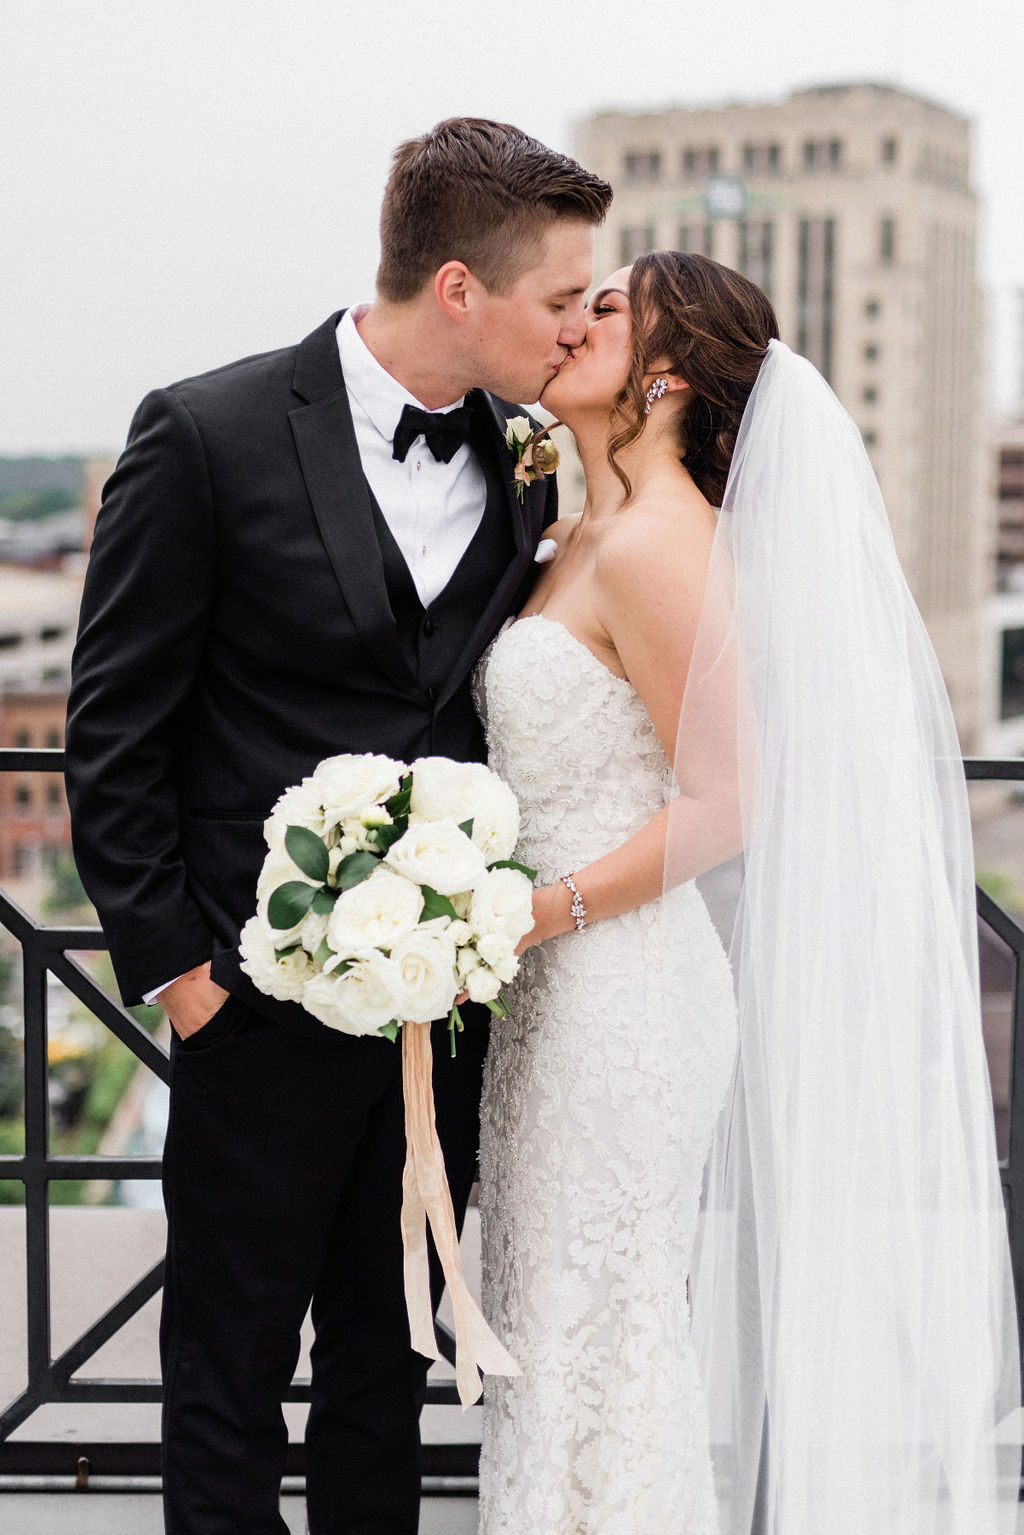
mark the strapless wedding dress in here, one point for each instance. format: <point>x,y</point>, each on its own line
<point>600,1093</point>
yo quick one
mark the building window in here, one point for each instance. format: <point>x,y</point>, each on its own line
<point>643,166</point>
<point>756,250</point>
<point>871,352</point>
<point>635,240</point>
<point>53,738</point>
<point>51,633</point>
<point>887,241</point>
<point>761,159</point>
<point>816,293</point>
<point>700,162</point>
<point>697,237</point>
<point>820,154</point>
<point>19,859</point>
<point>23,796</point>
<point>870,395</point>
<point>22,738</point>
<point>53,796</point>
<point>9,641</point>
<point>870,438</point>
<point>890,151</point>
<point>872,308</point>
<point>1011,703</point>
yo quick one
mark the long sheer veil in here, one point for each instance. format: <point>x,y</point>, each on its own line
<point>852,1300</point>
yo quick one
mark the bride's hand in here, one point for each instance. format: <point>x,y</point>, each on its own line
<point>551,915</point>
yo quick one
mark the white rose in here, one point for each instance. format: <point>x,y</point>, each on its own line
<point>466,960</point>
<point>517,429</point>
<point>502,903</point>
<point>482,984</point>
<point>360,1001</point>
<point>352,783</point>
<point>438,854</point>
<point>374,914</point>
<point>498,951</point>
<point>464,791</point>
<point>300,805</point>
<point>495,813</point>
<point>276,975</point>
<point>312,932</point>
<point>460,933</point>
<point>427,965</point>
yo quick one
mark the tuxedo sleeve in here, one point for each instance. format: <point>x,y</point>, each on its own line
<point>145,610</point>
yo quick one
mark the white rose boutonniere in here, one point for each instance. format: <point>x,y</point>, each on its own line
<point>535,457</point>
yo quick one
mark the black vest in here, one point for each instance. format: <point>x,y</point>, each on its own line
<point>434,638</point>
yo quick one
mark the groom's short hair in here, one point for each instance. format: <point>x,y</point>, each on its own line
<point>481,192</point>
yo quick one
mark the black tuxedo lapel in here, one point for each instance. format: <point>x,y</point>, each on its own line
<point>326,445</point>
<point>495,415</point>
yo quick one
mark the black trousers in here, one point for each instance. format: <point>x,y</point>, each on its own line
<point>282,1180</point>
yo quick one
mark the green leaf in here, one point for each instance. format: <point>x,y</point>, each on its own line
<point>323,901</point>
<point>390,1030</point>
<point>399,803</point>
<point>467,826</point>
<point>386,836</point>
<point>289,949</point>
<point>498,1008</point>
<point>307,852</point>
<point>354,869</point>
<point>510,863</point>
<point>323,953</point>
<point>346,964</point>
<point>435,905</point>
<point>290,903</point>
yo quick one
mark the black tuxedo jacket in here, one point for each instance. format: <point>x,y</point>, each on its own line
<point>245,614</point>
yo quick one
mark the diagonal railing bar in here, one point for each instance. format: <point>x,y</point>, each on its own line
<point>104,1328</point>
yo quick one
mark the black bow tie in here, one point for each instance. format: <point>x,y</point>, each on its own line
<point>445,431</point>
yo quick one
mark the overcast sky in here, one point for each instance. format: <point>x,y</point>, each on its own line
<point>186,181</point>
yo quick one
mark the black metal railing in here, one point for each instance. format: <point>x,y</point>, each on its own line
<point>50,950</point>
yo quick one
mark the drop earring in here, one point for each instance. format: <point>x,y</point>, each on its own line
<point>656,391</point>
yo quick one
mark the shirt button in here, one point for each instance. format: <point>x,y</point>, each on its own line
<point>428,625</point>
<point>418,464</point>
<point>432,694</point>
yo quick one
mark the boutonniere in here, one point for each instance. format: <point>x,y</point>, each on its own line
<point>535,458</point>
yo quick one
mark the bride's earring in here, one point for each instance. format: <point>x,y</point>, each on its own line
<point>657,389</point>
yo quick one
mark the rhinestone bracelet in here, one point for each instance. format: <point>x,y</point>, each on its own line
<point>577,910</point>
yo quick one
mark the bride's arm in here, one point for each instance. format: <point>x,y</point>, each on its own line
<point>650,589</point>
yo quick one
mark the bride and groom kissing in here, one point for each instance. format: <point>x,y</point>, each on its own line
<point>312,551</point>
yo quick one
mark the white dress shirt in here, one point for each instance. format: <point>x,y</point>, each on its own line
<point>432,509</point>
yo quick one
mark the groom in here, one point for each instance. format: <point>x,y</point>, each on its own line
<point>301,554</point>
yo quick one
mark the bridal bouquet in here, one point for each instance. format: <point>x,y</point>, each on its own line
<point>387,890</point>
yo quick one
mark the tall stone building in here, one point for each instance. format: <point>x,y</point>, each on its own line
<point>852,206</point>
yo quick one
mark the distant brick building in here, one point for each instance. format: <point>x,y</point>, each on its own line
<point>38,619</point>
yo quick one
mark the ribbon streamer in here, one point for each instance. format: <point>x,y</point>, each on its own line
<point>426,1197</point>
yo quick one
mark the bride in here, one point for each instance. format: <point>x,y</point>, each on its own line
<point>748,700</point>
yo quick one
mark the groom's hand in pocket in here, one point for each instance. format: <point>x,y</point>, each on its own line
<point>191,1001</point>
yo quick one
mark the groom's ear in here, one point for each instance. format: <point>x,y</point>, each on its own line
<point>453,290</point>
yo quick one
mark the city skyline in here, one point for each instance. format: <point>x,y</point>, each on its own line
<point>197,182</point>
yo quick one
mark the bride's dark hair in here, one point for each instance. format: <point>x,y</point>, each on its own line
<point>712,327</point>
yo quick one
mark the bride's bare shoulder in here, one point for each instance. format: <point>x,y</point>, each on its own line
<point>660,541</point>
<point>559,531</point>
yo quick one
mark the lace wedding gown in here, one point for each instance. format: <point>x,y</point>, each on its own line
<point>599,1097</point>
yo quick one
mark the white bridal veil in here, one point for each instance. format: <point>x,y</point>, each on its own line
<point>852,1298</point>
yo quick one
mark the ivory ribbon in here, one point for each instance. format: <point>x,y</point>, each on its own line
<point>426,1197</point>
